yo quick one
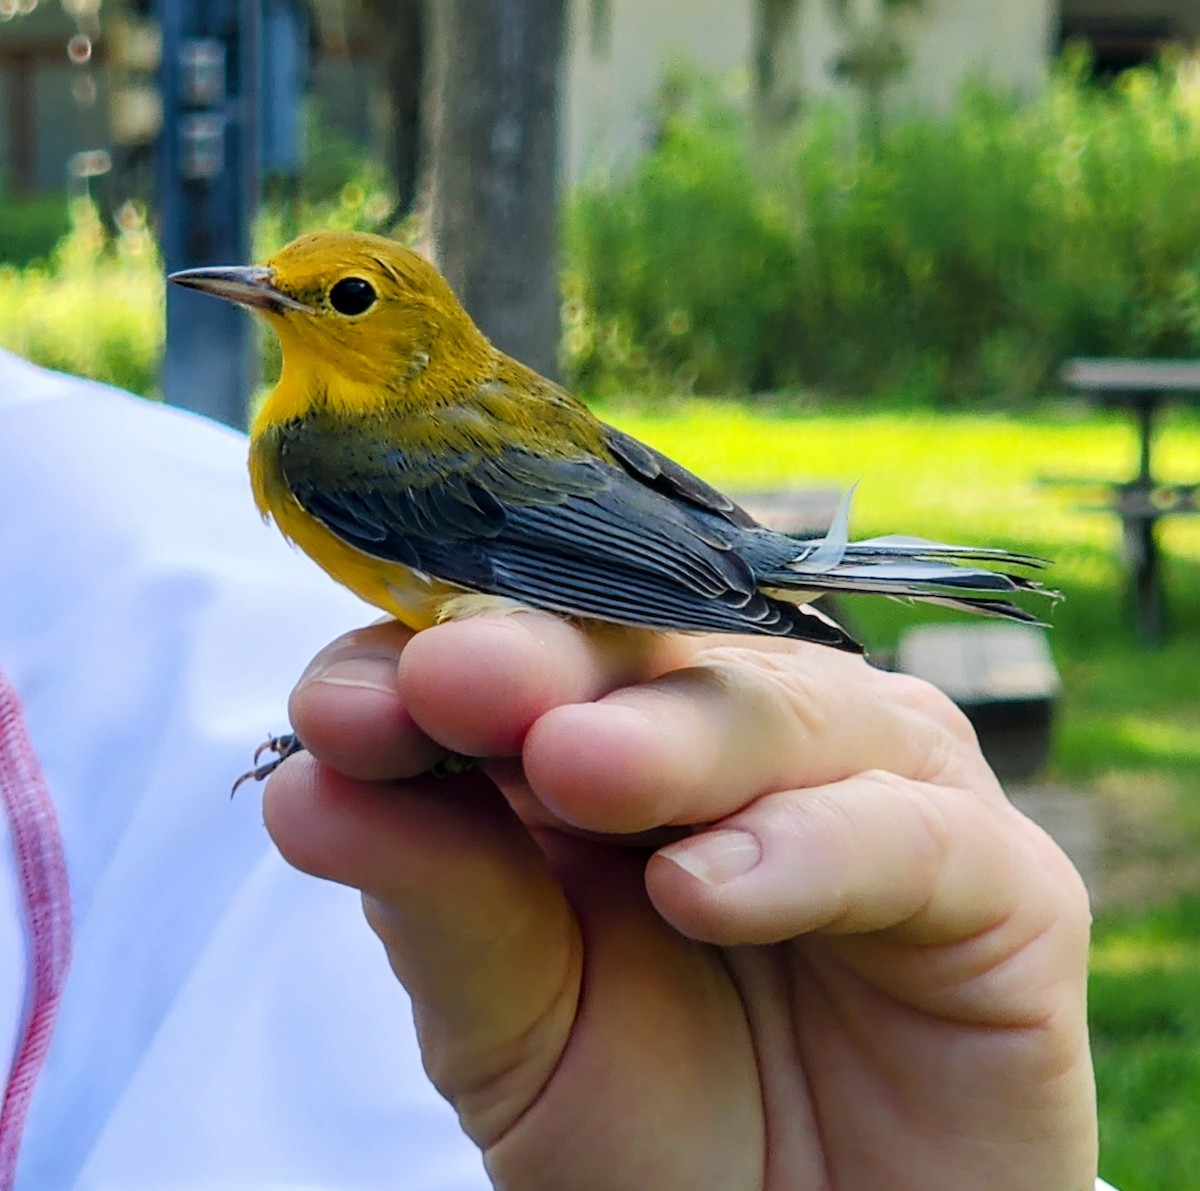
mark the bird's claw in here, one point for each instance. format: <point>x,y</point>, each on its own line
<point>283,747</point>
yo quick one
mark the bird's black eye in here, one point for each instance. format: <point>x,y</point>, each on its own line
<point>352,295</point>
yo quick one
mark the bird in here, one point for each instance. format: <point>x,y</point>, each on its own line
<point>437,477</point>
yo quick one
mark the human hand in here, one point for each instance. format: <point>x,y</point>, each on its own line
<point>856,965</point>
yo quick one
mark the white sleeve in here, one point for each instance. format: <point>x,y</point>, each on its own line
<point>227,1023</point>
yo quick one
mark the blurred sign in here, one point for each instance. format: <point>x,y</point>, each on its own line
<point>134,43</point>
<point>201,147</point>
<point>202,72</point>
<point>135,114</point>
<point>135,109</point>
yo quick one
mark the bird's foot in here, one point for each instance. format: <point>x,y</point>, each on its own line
<point>282,747</point>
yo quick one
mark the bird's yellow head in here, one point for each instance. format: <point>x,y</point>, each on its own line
<point>353,309</point>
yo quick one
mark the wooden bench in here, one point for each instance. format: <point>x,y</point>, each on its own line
<point>1003,678</point>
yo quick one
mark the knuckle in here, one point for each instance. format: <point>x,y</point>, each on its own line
<point>915,794</point>
<point>772,685</point>
<point>926,699</point>
<point>1071,898</point>
<point>929,830</point>
<point>886,781</point>
<point>941,756</point>
<point>931,704</point>
<point>876,823</point>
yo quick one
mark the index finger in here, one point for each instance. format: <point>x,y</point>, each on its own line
<point>699,743</point>
<point>384,703</point>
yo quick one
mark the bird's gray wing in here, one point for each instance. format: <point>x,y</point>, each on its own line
<point>578,535</point>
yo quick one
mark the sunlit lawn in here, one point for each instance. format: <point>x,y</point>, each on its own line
<point>1130,726</point>
<point>1145,1011</point>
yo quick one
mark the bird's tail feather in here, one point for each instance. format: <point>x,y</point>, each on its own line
<point>908,568</point>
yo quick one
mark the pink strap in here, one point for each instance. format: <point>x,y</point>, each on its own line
<point>42,875</point>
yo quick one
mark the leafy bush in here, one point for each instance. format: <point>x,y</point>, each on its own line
<point>95,308</point>
<point>31,228</point>
<point>961,255</point>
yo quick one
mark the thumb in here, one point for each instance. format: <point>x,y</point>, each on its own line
<point>475,926</point>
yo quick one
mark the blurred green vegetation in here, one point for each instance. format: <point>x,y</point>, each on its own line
<point>342,187</point>
<point>1145,1019</point>
<point>89,299</point>
<point>958,256</point>
<point>94,305</point>
<point>31,228</point>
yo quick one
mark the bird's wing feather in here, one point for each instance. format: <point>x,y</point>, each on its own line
<point>577,535</point>
<point>663,473</point>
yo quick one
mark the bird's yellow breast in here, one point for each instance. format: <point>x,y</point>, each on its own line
<point>307,385</point>
<point>416,600</point>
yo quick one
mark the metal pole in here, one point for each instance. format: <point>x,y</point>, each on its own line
<point>1146,407</point>
<point>207,194</point>
<point>1146,588</point>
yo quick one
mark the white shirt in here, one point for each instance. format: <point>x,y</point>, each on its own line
<point>227,1023</point>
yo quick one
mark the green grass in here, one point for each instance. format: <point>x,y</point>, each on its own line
<point>1145,1016</point>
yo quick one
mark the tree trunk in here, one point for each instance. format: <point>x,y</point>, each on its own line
<point>775,64</point>
<point>399,28</point>
<point>492,116</point>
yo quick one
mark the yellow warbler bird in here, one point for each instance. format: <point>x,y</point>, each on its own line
<point>437,477</point>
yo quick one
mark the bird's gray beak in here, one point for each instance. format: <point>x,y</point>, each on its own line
<point>252,286</point>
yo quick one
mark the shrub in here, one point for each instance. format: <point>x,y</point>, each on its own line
<point>959,255</point>
<point>95,308</point>
<point>31,228</point>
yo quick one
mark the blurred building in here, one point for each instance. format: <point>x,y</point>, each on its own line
<point>76,76</point>
<point>51,107</point>
<point>619,49</point>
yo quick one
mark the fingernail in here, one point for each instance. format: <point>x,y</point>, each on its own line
<point>370,672</point>
<point>716,856</point>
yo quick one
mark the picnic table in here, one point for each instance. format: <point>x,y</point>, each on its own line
<point>1144,387</point>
